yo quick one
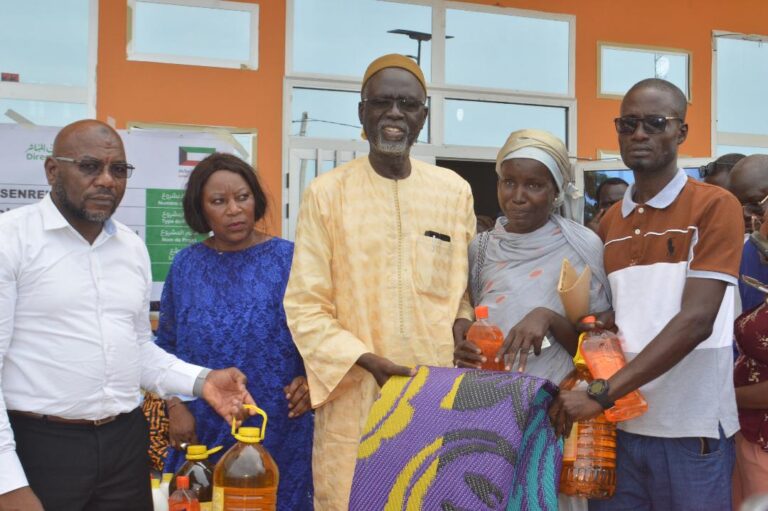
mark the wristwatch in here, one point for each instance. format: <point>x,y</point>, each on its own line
<point>598,390</point>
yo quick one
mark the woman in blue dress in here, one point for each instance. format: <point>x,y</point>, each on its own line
<point>222,305</point>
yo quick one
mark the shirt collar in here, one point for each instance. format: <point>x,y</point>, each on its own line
<point>661,200</point>
<point>53,219</point>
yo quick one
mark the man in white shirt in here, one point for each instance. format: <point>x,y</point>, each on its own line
<point>75,340</point>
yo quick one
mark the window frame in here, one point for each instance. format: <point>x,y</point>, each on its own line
<point>164,58</point>
<point>724,137</point>
<point>63,93</point>
<point>438,91</point>
<point>641,48</point>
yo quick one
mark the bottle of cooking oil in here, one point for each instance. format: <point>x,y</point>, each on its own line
<point>488,337</point>
<point>200,472</point>
<point>246,477</point>
<point>604,357</point>
<point>589,453</point>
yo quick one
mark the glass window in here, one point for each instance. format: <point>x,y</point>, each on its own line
<point>482,123</point>
<point>45,41</point>
<point>188,34</point>
<point>741,149</point>
<point>506,52</point>
<point>621,68</point>
<point>323,113</point>
<point>341,37</point>
<point>742,96</point>
<point>43,113</point>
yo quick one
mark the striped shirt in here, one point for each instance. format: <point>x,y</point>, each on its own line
<point>689,229</point>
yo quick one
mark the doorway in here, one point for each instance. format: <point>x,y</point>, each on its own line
<point>481,176</point>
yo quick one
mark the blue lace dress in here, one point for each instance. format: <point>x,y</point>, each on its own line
<point>226,309</point>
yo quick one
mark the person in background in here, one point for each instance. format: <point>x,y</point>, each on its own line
<point>717,172</point>
<point>222,304</point>
<point>672,253</point>
<point>749,183</point>
<point>75,340</point>
<point>608,193</point>
<point>379,272</point>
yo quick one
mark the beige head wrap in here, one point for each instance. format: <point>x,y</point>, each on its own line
<point>546,148</point>
<point>394,60</point>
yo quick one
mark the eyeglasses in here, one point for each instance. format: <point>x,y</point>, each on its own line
<point>755,208</point>
<point>93,167</point>
<point>408,105</point>
<point>652,124</point>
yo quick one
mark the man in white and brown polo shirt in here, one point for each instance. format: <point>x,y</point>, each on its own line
<point>672,251</point>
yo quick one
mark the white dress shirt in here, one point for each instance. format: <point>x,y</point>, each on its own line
<point>75,339</point>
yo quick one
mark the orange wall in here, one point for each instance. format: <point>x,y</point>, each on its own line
<point>148,92</point>
<point>168,93</point>
<point>684,24</point>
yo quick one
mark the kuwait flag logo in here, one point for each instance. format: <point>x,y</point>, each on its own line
<point>191,156</point>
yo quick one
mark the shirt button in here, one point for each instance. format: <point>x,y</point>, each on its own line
<point>641,210</point>
<point>637,231</point>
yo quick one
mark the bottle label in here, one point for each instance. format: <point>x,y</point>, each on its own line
<point>251,499</point>
<point>206,506</point>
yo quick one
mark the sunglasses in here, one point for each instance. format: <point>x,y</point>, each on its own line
<point>713,167</point>
<point>652,124</point>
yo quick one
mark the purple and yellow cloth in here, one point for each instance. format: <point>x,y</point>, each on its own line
<point>459,440</point>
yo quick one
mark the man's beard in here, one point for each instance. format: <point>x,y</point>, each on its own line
<point>79,212</point>
<point>395,147</point>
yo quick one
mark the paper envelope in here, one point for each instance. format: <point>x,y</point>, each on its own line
<point>574,291</point>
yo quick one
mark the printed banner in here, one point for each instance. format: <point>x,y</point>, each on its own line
<point>152,202</point>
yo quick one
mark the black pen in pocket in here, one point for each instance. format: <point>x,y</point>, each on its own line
<point>440,236</point>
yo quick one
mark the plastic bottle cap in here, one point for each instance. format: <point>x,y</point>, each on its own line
<point>249,435</point>
<point>155,483</point>
<point>200,452</point>
<point>182,482</point>
<point>588,319</point>
<point>481,312</point>
<point>167,476</point>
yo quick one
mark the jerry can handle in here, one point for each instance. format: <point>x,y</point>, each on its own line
<point>260,412</point>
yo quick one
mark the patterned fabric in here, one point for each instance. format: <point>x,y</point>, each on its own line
<point>225,309</point>
<point>154,410</point>
<point>457,440</point>
<point>751,331</point>
<point>366,279</point>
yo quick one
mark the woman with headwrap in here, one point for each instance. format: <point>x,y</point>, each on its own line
<point>515,267</point>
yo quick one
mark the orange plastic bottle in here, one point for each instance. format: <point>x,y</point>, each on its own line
<point>589,453</point>
<point>246,477</point>
<point>602,352</point>
<point>488,337</point>
<point>183,499</point>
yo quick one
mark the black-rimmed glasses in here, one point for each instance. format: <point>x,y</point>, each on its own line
<point>652,124</point>
<point>409,105</point>
<point>92,167</point>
